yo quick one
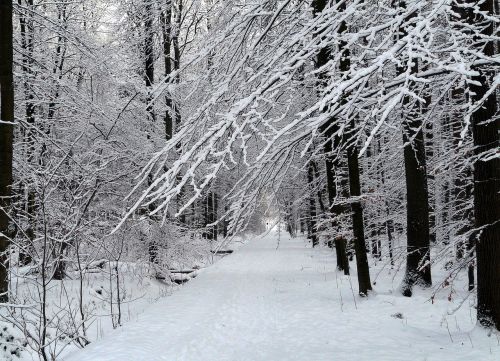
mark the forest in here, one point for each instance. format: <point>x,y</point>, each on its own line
<point>146,143</point>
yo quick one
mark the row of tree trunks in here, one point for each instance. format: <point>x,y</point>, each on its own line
<point>332,146</point>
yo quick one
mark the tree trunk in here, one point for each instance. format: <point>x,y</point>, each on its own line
<point>363,268</point>
<point>485,130</point>
<point>166,22</point>
<point>215,210</point>
<point>6,138</point>
<point>418,269</point>
<point>177,55</point>
<point>319,190</point>
<point>27,33</point>
<point>149,74</point>
<point>210,216</point>
<point>357,220</point>
<point>149,59</point>
<point>429,155</point>
<point>312,206</point>
<point>331,163</point>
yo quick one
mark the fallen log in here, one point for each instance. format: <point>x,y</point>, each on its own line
<point>223,251</point>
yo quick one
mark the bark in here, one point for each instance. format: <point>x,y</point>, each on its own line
<point>166,21</point>
<point>312,206</point>
<point>225,223</point>
<point>215,210</point>
<point>363,268</point>
<point>60,263</point>
<point>27,34</point>
<point>175,106</point>
<point>429,154</point>
<point>177,55</point>
<point>485,130</point>
<point>6,138</point>
<point>58,250</point>
<point>462,192</point>
<point>332,163</point>
<point>389,223</point>
<point>357,220</point>
<point>210,216</point>
<point>418,270</point>
<point>319,191</point>
<point>57,70</point>
<point>149,75</point>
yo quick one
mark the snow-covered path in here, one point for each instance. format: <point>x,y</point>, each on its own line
<point>286,302</point>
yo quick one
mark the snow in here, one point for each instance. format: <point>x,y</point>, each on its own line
<point>276,298</point>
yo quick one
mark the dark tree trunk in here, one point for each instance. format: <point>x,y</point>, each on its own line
<point>210,216</point>
<point>462,192</point>
<point>177,55</point>
<point>60,263</point>
<point>363,268</point>
<point>374,225</point>
<point>390,229</point>
<point>27,34</point>
<point>166,22</point>
<point>215,211</point>
<point>389,223</point>
<point>319,192</point>
<point>57,70</point>
<point>6,138</point>
<point>357,220</point>
<point>149,74</point>
<point>177,64</point>
<point>149,59</point>
<point>225,224</point>
<point>429,154</point>
<point>332,165</point>
<point>418,269</point>
<point>312,206</point>
<point>485,130</point>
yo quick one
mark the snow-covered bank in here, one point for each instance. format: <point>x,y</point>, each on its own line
<point>285,301</point>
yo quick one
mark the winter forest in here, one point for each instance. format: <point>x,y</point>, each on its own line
<point>249,180</point>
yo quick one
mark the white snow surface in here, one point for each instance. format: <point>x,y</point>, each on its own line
<point>278,299</point>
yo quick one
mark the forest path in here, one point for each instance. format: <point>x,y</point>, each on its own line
<point>278,299</point>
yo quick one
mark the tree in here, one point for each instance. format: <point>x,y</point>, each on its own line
<point>485,129</point>
<point>166,22</point>
<point>418,269</point>
<point>311,226</point>
<point>6,139</point>
<point>332,144</point>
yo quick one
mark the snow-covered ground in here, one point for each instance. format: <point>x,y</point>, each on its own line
<point>279,299</point>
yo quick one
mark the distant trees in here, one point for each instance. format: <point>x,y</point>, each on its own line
<point>83,128</point>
